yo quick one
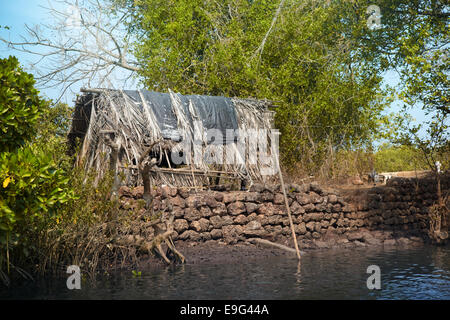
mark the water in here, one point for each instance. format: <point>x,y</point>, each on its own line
<point>416,273</point>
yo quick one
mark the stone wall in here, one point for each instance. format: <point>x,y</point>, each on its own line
<point>368,215</point>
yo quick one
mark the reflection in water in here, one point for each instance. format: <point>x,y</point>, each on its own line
<point>298,273</point>
<point>418,273</point>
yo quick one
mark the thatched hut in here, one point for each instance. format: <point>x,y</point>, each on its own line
<point>122,130</point>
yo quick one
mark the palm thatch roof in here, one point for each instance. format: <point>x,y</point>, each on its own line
<point>139,124</point>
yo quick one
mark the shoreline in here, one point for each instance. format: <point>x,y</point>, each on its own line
<point>216,251</point>
<point>213,252</point>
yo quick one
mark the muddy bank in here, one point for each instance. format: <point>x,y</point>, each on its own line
<point>218,252</point>
<point>210,225</point>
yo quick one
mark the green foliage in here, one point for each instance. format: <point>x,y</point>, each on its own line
<point>33,188</point>
<point>92,202</point>
<point>51,137</point>
<point>318,60</point>
<point>136,273</point>
<point>49,212</point>
<point>414,40</point>
<point>391,158</point>
<point>306,62</point>
<point>81,234</point>
<point>434,146</point>
<point>34,181</point>
<point>20,105</point>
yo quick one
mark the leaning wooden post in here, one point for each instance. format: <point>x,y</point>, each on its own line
<point>110,140</point>
<point>286,202</point>
<point>144,167</point>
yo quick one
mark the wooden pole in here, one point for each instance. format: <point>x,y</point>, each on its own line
<point>170,167</point>
<point>286,202</point>
<point>110,139</point>
<point>272,244</point>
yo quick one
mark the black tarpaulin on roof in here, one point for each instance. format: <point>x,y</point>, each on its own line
<point>214,112</point>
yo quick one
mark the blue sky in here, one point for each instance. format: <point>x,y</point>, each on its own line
<point>16,13</point>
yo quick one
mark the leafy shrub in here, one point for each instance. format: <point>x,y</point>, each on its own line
<point>33,187</point>
<point>86,223</point>
<point>33,175</point>
<point>20,105</point>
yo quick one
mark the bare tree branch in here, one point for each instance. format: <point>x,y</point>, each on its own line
<point>260,49</point>
<point>85,44</point>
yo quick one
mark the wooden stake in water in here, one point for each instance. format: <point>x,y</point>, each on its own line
<point>286,202</point>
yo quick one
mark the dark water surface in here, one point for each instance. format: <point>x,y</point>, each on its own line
<point>414,273</point>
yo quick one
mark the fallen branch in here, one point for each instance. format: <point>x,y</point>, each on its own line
<point>273,244</point>
<point>163,236</point>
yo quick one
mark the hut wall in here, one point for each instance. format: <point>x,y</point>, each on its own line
<point>136,122</point>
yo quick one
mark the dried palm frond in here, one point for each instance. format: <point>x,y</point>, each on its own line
<point>134,127</point>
